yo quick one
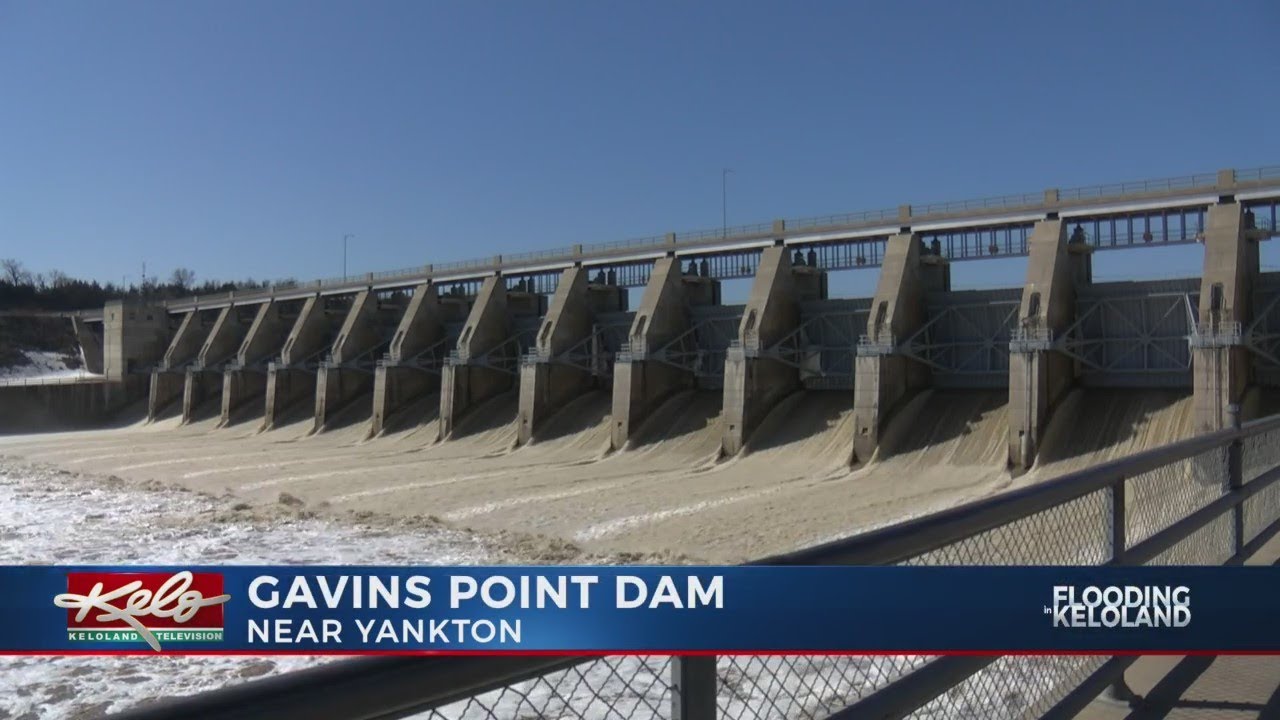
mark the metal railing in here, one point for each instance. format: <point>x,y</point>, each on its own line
<point>1049,200</point>
<point>36,381</point>
<point>1212,499</point>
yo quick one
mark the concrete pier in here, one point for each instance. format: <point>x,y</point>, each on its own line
<point>1220,360</point>
<point>293,379</point>
<point>551,379</point>
<point>90,342</point>
<point>401,378</point>
<point>642,381</point>
<point>348,371</point>
<point>245,378</point>
<point>753,381</point>
<point>884,377</point>
<point>168,380</point>
<point>486,363</point>
<point>204,376</point>
<point>1040,375</point>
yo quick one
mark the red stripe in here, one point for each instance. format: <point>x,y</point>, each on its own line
<point>637,653</point>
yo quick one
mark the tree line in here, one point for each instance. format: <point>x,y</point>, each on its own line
<point>22,289</point>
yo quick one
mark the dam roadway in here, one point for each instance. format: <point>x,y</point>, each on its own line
<point>523,398</point>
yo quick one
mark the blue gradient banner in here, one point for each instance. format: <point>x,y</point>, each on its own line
<point>340,610</point>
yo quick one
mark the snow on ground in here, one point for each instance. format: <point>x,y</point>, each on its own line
<point>45,365</point>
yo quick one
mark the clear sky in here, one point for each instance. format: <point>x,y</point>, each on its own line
<point>246,138</point>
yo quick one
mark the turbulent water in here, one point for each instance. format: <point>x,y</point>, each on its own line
<point>51,517</point>
<point>286,496</point>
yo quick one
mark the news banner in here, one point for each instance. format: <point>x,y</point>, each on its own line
<point>645,609</point>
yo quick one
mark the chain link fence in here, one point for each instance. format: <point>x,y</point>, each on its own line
<point>1136,509</point>
<point>1210,500</point>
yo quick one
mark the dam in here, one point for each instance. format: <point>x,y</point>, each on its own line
<point>605,400</point>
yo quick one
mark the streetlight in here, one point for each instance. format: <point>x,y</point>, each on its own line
<point>344,254</point>
<point>724,202</point>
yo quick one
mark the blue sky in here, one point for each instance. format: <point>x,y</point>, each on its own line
<point>245,138</point>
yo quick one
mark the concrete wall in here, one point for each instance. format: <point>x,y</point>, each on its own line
<point>35,408</point>
<point>135,337</point>
<point>204,379</point>
<point>169,379</point>
<point>884,380</point>
<point>395,382</point>
<point>753,383</point>
<point>266,335</point>
<point>224,339</point>
<point>349,373</point>
<point>547,385</point>
<point>1038,376</point>
<point>246,380</point>
<point>465,385</point>
<point>287,381</point>
<point>187,341</point>
<point>167,386</point>
<point>1220,363</point>
<point>641,384</point>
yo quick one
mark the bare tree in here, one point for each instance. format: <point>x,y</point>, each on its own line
<point>14,272</point>
<point>183,277</point>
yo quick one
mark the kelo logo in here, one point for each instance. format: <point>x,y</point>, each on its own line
<point>138,607</point>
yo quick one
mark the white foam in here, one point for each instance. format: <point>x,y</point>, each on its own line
<point>51,518</point>
<point>619,525</point>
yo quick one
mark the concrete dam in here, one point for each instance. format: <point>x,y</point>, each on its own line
<point>525,396</point>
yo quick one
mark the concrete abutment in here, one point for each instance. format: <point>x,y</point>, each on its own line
<point>168,379</point>
<point>486,361</point>
<point>292,379</point>
<point>755,381</point>
<point>1039,373</point>
<point>884,376</point>
<point>348,373</point>
<point>557,374</point>
<point>204,376</point>
<point>405,375</point>
<point>1220,360</point>
<point>641,378</point>
<point>244,379</point>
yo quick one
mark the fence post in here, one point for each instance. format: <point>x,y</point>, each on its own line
<point>1235,473</point>
<point>1119,541</point>
<point>693,688</point>
<point>1119,691</point>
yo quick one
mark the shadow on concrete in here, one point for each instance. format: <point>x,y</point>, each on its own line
<point>801,416</point>
<point>686,414</point>
<point>209,409</point>
<point>416,412</point>
<point>973,420</point>
<point>492,414</point>
<point>582,415</point>
<point>358,410</point>
<point>250,411</point>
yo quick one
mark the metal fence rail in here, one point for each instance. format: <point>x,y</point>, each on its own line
<point>39,380</point>
<point>1213,499</point>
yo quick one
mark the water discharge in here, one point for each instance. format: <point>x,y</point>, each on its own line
<point>667,497</point>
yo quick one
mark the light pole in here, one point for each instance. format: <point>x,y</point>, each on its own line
<point>344,254</point>
<point>724,202</point>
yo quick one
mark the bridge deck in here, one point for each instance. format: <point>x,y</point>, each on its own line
<point>1201,688</point>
